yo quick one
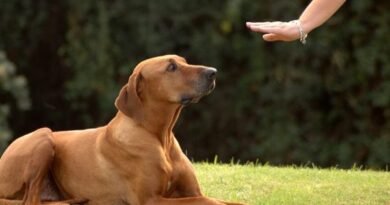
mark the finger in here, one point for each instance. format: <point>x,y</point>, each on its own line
<point>256,23</point>
<point>273,27</point>
<point>267,23</point>
<point>264,29</point>
<point>271,37</point>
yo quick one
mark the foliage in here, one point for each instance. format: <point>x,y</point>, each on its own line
<point>13,92</point>
<point>258,185</point>
<point>327,102</point>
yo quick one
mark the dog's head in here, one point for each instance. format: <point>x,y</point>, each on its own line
<point>165,79</point>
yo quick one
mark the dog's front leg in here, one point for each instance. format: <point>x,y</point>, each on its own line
<point>200,200</point>
<point>186,188</point>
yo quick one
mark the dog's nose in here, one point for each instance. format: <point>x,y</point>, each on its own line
<point>211,73</point>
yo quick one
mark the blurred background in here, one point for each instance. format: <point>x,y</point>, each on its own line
<point>62,64</point>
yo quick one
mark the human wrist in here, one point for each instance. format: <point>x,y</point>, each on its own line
<point>307,27</point>
<point>302,33</point>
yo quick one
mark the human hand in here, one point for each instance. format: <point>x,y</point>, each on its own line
<point>276,30</point>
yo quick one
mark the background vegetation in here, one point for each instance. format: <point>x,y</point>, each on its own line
<point>327,102</point>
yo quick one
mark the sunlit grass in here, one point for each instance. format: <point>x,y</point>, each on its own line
<point>255,185</point>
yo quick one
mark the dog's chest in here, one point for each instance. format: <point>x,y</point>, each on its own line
<point>149,171</point>
<point>167,174</point>
<point>171,178</point>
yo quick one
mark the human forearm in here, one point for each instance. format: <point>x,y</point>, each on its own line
<point>317,12</point>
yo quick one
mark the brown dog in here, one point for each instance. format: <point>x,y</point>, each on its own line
<point>134,160</point>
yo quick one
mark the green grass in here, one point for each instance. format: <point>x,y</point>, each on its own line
<point>255,185</point>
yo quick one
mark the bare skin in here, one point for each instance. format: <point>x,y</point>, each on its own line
<point>315,14</point>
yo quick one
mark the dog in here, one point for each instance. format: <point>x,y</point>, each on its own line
<point>134,160</point>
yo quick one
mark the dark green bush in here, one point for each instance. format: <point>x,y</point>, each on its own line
<point>14,96</point>
<point>327,102</point>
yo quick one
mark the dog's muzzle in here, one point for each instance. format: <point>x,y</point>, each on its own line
<point>210,75</point>
<point>204,86</point>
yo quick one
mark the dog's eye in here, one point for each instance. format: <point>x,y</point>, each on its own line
<point>171,67</point>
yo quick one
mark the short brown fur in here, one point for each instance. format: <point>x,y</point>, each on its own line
<point>134,160</point>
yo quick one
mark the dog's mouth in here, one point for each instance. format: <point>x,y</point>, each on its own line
<point>188,99</point>
<point>203,89</point>
<point>211,88</point>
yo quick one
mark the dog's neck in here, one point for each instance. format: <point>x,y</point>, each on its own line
<point>158,119</point>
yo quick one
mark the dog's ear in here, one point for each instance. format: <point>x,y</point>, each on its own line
<point>129,101</point>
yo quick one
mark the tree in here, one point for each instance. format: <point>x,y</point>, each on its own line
<point>13,95</point>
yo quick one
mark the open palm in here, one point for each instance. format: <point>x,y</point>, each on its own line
<point>276,30</point>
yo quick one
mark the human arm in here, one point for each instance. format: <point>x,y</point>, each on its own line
<point>315,14</point>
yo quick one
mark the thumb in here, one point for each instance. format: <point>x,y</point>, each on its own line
<point>270,37</point>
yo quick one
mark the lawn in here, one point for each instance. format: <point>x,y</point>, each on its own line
<point>255,185</point>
